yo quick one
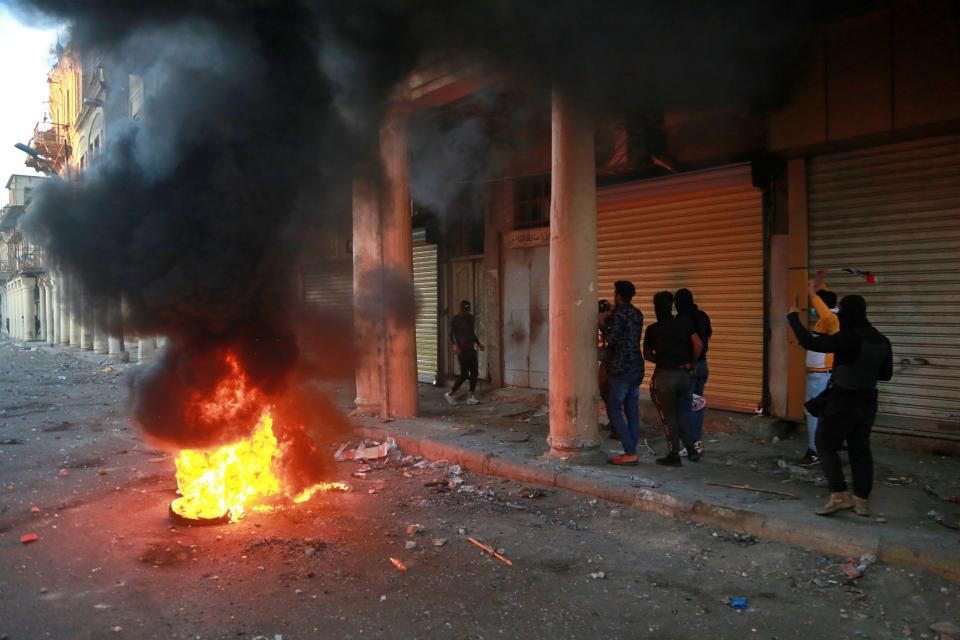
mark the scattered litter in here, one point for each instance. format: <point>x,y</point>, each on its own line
<point>639,481</point>
<point>383,598</point>
<point>880,519</point>
<point>739,603</point>
<point>116,628</point>
<point>12,441</point>
<point>415,529</point>
<point>156,460</point>
<point>372,451</point>
<point>102,605</point>
<point>462,531</point>
<point>854,569</point>
<point>396,562</point>
<point>410,544</point>
<point>438,542</point>
<point>939,519</point>
<point>34,509</point>
<point>946,631</point>
<point>746,487</point>
<point>930,490</point>
<point>496,554</point>
<point>101,472</point>
<point>63,473</point>
<point>27,538</point>
<point>598,575</point>
<point>107,370</point>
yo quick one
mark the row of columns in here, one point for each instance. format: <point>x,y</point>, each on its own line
<point>53,308</point>
<point>383,275</point>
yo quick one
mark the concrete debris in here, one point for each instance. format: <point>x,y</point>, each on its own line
<point>598,575</point>
<point>410,544</point>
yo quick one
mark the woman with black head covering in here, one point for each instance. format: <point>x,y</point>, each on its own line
<point>848,407</point>
<point>686,308</point>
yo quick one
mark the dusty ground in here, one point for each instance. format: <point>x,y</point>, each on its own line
<point>108,563</point>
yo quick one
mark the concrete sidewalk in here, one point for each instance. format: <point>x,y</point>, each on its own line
<point>505,436</point>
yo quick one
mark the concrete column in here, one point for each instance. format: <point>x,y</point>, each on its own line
<point>147,349</point>
<point>64,305</point>
<point>76,309</point>
<point>29,309</point>
<point>573,286</point>
<point>397,229</point>
<point>86,323</point>
<point>115,345</point>
<point>53,311</point>
<point>44,318</point>
<point>99,327</point>
<point>367,287</point>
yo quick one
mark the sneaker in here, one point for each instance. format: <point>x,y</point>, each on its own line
<point>472,399</point>
<point>683,453</point>
<point>625,459</point>
<point>861,507</point>
<point>809,459</point>
<point>670,460</point>
<point>698,447</point>
<point>449,398</point>
<point>836,502</point>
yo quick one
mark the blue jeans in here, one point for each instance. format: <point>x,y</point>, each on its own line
<point>623,397</point>
<point>816,383</point>
<point>698,380</point>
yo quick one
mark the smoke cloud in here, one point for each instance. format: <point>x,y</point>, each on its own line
<point>257,112</point>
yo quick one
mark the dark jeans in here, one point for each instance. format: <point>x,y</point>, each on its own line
<point>671,390</point>
<point>623,397</point>
<point>695,418</point>
<point>469,368</point>
<point>848,415</point>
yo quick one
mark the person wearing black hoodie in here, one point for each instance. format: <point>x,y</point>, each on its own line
<point>673,344</point>
<point>686,308</point>
<point>848,407</point>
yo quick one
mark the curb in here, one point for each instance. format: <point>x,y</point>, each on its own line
<point>796,533</point>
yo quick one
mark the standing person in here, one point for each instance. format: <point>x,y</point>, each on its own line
<point>463,335</point>
<point>847,409</point>
<point>818,364</point>
<point>603,313</point>
<point>624,364</point>
<point>686,308</point>
<point>673,344</point>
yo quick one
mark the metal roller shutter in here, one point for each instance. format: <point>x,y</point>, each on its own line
<point>895,211</point>
<point>703,231</point>
<point>425,285</point>
<point>328,285</point>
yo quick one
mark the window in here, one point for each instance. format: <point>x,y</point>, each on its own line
<point>532,202</point>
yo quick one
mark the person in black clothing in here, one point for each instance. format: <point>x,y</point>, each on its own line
<point>683,301</point>
<point>848,407</point>
<point>673,344</point>
<point>463,335</point>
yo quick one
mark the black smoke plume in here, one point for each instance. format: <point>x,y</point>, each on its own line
<point>258,110</point>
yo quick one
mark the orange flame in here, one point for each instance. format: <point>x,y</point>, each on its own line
<point>234,477</point>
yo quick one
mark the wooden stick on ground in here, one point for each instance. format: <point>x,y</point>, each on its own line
<point>746,487</point>
<point>491,551</point>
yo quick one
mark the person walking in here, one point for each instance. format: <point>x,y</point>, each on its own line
<point>686,308</point>
<point>818,365</point>
<point>673,344</point>
<point>848,407</point>
<point>463,335</point>
<point>624,365</point>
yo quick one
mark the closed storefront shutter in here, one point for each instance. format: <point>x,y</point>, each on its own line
<point>703,231</point>
<point>894,211</point>
<point>426,290</point>
<point>328,285</point>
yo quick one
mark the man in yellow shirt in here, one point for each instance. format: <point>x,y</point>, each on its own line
<point>819,365</point>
